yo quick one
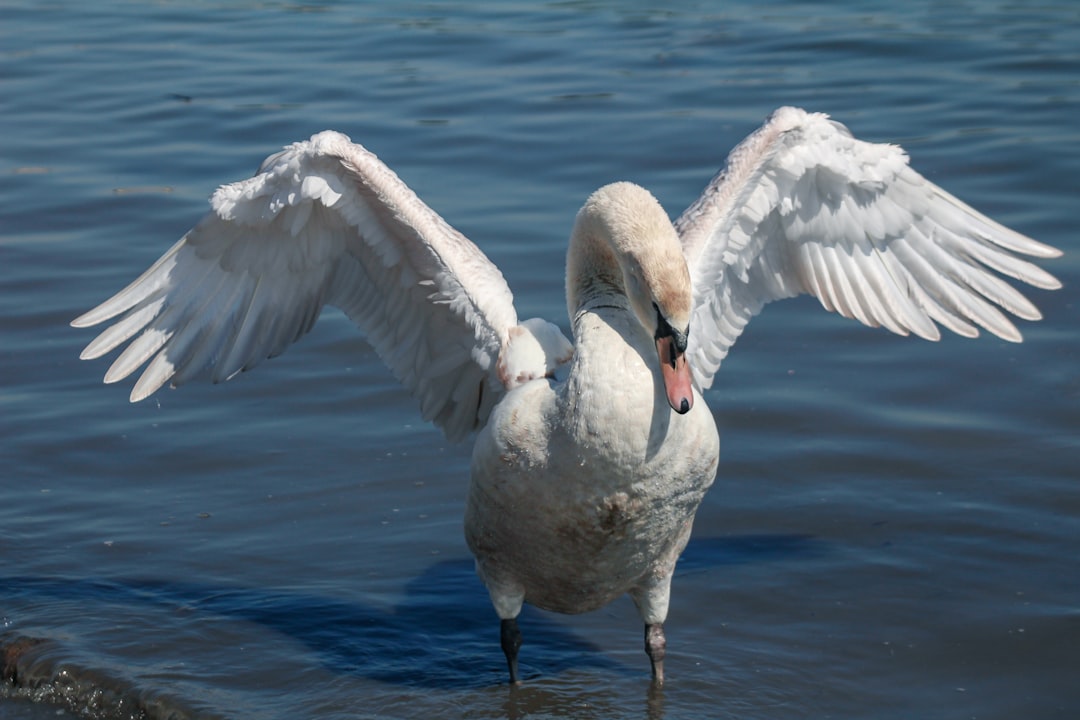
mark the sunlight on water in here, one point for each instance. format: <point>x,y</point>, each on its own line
<point>893,530</point>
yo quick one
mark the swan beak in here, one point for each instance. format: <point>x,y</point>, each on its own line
<point>676,374</point>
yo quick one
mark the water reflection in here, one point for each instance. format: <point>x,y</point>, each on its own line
<point>442,634</point>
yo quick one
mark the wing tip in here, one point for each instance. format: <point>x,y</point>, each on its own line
<point>89,353</point>
<point>932,333</point>
<point>139,394</point>
<point>113,375</point>
<point>87,319</point>
<point>1049,282</point>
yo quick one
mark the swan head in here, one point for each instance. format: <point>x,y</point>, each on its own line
<point>632,247</point>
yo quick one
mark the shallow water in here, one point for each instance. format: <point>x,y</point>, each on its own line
<point>895,526</point>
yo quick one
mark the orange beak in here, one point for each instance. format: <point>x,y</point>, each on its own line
<point>676,373</point>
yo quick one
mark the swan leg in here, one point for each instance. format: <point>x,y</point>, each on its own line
<point>655,648</point>
<point>652,596</point>
<point>510,637</point>
<point>507,596</point>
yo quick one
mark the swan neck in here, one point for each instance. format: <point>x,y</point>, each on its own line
<point>624,251</point>
<point>593,274</point>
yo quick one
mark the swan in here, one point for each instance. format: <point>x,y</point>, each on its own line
<point>590,457</point>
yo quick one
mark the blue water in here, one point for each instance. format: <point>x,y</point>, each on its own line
<point>895,528</point>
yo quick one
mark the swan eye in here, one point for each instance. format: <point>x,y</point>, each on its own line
<point>664,329</point>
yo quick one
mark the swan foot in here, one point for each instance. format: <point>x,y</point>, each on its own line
<point>510,638</point>
<point>655,648</point>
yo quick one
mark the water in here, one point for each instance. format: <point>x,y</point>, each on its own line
<point>896,524</point>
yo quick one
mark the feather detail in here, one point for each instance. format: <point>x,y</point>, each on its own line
<point>804,207</point>
<point>323,222</point>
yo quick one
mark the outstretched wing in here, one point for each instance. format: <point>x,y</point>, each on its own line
<point>323,222</point>
<point>804,207</point>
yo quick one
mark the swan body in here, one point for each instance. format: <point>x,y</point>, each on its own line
<point>591,457</point>
<point>577,476</point>
<point>600,473</point>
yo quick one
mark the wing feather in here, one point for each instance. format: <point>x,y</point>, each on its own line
<point>323,222</point>
<point>804,207</point>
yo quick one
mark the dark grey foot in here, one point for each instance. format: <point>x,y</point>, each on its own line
<point>655,648</point>
<point>510,637</point>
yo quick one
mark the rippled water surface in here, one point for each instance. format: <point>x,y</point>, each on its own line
<point>895,527</point>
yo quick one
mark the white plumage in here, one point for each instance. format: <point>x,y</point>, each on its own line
<point>591,458</point>
<point>804,207</point>
<point>322,223</point>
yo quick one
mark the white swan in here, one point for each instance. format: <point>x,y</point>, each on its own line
<point>591,459</point>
